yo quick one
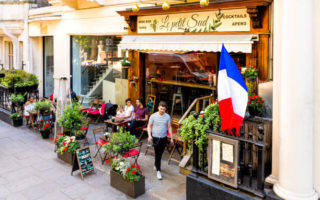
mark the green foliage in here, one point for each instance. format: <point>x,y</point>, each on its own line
<point>71,118</point>
<point>125,62</point>
<point>250,72</point>
<point>14,116</point>
<point>18,78</point>
<point>67,144</point>
<point>42,106</point>
<point>120,165</point>
<point>17,98</point>
<point>121,142</point>
<point>195,130</point>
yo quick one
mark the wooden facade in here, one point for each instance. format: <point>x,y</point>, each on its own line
<point>258,11</point>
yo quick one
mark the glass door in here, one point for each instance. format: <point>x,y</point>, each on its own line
<point>48,82</point>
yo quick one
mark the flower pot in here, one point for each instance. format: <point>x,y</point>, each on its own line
<point>45,134</point>
<point>133,189</point>
<point>17,121</point>
<point>251,80</point>
<point>66,157</point>
<point>253,112</point>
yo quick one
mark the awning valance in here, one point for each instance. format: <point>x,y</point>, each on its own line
<point>205,43</point>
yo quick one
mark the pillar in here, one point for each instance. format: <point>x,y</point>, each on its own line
<point>294,58</point>
<point>316,47</point>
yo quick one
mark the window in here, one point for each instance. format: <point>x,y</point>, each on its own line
<point>91,57</point>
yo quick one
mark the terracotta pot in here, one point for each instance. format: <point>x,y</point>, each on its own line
<point>133,189</point>
<point>66,157</point>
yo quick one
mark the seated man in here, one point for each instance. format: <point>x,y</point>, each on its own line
<point>140,116</point>
<point>28,107</point>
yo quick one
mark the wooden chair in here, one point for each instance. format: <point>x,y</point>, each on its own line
<point>99,143</point>
<point>80,98</point>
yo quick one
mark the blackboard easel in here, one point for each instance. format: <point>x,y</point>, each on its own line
<point>82,161</point>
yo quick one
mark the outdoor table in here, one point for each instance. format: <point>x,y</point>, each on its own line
<point>115,124</point>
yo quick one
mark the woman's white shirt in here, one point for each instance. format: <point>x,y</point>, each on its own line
<point>127,111</point>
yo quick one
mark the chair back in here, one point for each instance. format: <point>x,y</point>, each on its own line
<point>80,98</point>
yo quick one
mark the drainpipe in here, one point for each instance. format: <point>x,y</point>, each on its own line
<point>26,41</point>
<point>16,64</point>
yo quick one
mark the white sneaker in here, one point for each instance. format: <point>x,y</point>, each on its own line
<point>159,176</point>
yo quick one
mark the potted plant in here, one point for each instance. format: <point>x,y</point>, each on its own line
<point>42,107</point>
<point>67,146</point>
<point>125,62</point>
<point>255,105</point>
<point>125,65</point>
<point>17,99</point>
<point>72,119</point>
<point>45,130</point>
<point>17,120</point>
<point>250,73</point>
<point>127,178</point>
<point>121,143</point>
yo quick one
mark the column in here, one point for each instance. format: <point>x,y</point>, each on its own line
<point>316,35</point>
<point>294,57</point>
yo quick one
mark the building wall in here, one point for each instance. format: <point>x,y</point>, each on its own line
<point>96,21</point>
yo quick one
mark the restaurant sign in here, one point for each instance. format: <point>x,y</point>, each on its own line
<point>210,21</point>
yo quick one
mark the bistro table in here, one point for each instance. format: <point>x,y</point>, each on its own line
<point>114,124</point>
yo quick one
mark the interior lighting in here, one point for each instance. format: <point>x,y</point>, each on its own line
<point>165,5</point>
<point>204,3</point>
<point>135,8</point>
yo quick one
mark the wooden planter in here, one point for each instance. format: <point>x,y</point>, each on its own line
<point>66,157</point>
<point>133,190</point>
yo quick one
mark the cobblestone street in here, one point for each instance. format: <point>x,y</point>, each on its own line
<point>29,169</point>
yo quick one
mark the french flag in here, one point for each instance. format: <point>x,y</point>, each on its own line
<point>232,93</point>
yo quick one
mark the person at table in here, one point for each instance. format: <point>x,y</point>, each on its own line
<point>28,107</point>
<point>140,116</point>
<point>158,126</point>
<point>128,110</point>
<point>120,114</point>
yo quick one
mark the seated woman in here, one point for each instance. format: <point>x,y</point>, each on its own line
<point>128,110</point>
<point>120,114</point>
<point>140,116</point>
<point>28,107</point>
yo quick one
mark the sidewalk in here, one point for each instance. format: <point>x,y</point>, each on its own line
<point>29,169</point>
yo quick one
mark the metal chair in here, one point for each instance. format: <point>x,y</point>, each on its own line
<point>99,143</point>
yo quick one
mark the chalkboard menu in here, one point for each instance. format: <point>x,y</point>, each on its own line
<point>83,161</point>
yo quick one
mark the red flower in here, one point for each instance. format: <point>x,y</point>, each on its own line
<point>134,179</point>
<point>60,133</point>
<point>108,161</point>
<point>128,169</point>
<point>65,149</point>
<point>51,139</point>
<point>71,139</point>
<point>138,166</point>
<point>55,141</point>
<point>64,143</point>
<point>126,173</point>
<point>132,166</point>
<point>133,172</point>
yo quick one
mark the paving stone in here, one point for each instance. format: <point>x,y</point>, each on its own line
<point>22,184</point>
<point>56,195</point>
<point>4,191</point>
<point>40,190</point>
<point>16,196</point>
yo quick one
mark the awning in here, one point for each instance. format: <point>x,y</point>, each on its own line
<point>206,43</point>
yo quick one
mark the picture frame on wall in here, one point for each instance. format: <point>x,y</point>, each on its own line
<point>223,160</point>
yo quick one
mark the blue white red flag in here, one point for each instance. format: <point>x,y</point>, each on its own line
<point>232,93</point>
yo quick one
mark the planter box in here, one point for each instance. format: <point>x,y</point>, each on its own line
<point>17,122</point>
<point>133,190</point>
<point>66,157</point>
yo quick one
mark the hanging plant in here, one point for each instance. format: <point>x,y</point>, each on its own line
<point>133,81</point>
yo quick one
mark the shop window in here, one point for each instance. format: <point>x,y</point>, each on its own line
<point>178,79</point>
<point>48,67</point>
<point>91,57</point>
<point>9,55</point>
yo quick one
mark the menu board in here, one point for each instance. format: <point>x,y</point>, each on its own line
<point>223,159</point>
<point>84,161</point>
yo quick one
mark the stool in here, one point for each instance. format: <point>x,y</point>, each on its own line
<point>175,96</point>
